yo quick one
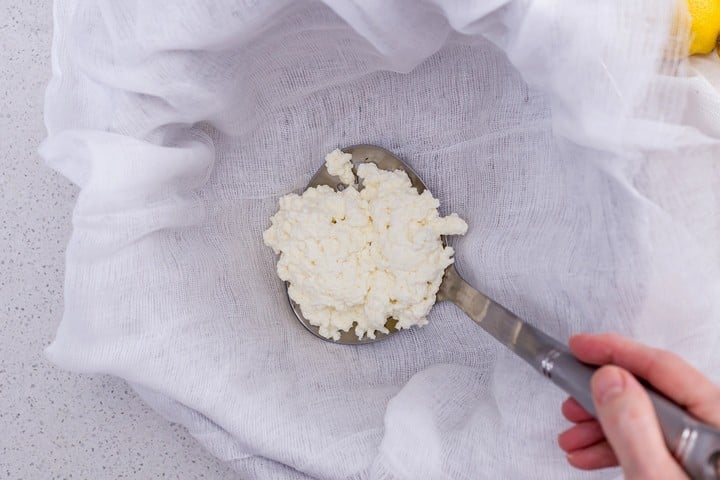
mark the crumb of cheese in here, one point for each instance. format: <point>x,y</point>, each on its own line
<point>360,257</point>
<point>338,164</point>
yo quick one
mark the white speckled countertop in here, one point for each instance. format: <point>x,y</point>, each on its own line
<point>56,424</point>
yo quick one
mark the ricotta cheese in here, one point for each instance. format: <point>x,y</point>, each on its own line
<point>359,257</point>
<point>338,163</point>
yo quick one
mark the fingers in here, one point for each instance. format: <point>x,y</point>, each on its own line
<point>593,457</point>
<point>574,412</point>
<point>630,433</point>
<point>581,436</point>
<point>630,425</point>
<point>664,370</point>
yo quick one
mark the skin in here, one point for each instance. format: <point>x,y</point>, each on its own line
<point>627,432</point>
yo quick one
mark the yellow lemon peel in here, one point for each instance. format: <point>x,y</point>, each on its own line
<point>705,25</point>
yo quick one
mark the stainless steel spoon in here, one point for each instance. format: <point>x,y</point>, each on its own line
<point>695,445</point>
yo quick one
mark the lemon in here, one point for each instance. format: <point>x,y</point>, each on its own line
<point>705,25</point>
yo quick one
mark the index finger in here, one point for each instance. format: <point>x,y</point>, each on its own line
<point>667,372</point>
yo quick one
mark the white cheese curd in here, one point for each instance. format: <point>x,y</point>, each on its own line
<point>360,257</point>
<point>338,163</point>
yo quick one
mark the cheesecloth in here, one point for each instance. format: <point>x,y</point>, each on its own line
<point>584,159</point>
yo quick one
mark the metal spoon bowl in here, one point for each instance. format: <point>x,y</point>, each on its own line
<point>385,161</point>
<point>696,445</point>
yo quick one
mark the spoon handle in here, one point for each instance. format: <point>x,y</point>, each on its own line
<point>695,445</point>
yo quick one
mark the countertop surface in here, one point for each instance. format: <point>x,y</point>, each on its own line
<point>57,424</point>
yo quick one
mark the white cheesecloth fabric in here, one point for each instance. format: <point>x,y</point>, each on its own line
<point>585,162</point>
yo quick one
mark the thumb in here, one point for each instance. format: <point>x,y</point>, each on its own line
<point>631,427</point>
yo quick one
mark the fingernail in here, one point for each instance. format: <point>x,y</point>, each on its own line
<point>607,384</point>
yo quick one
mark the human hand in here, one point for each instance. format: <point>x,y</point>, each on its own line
<point>627,431</point>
